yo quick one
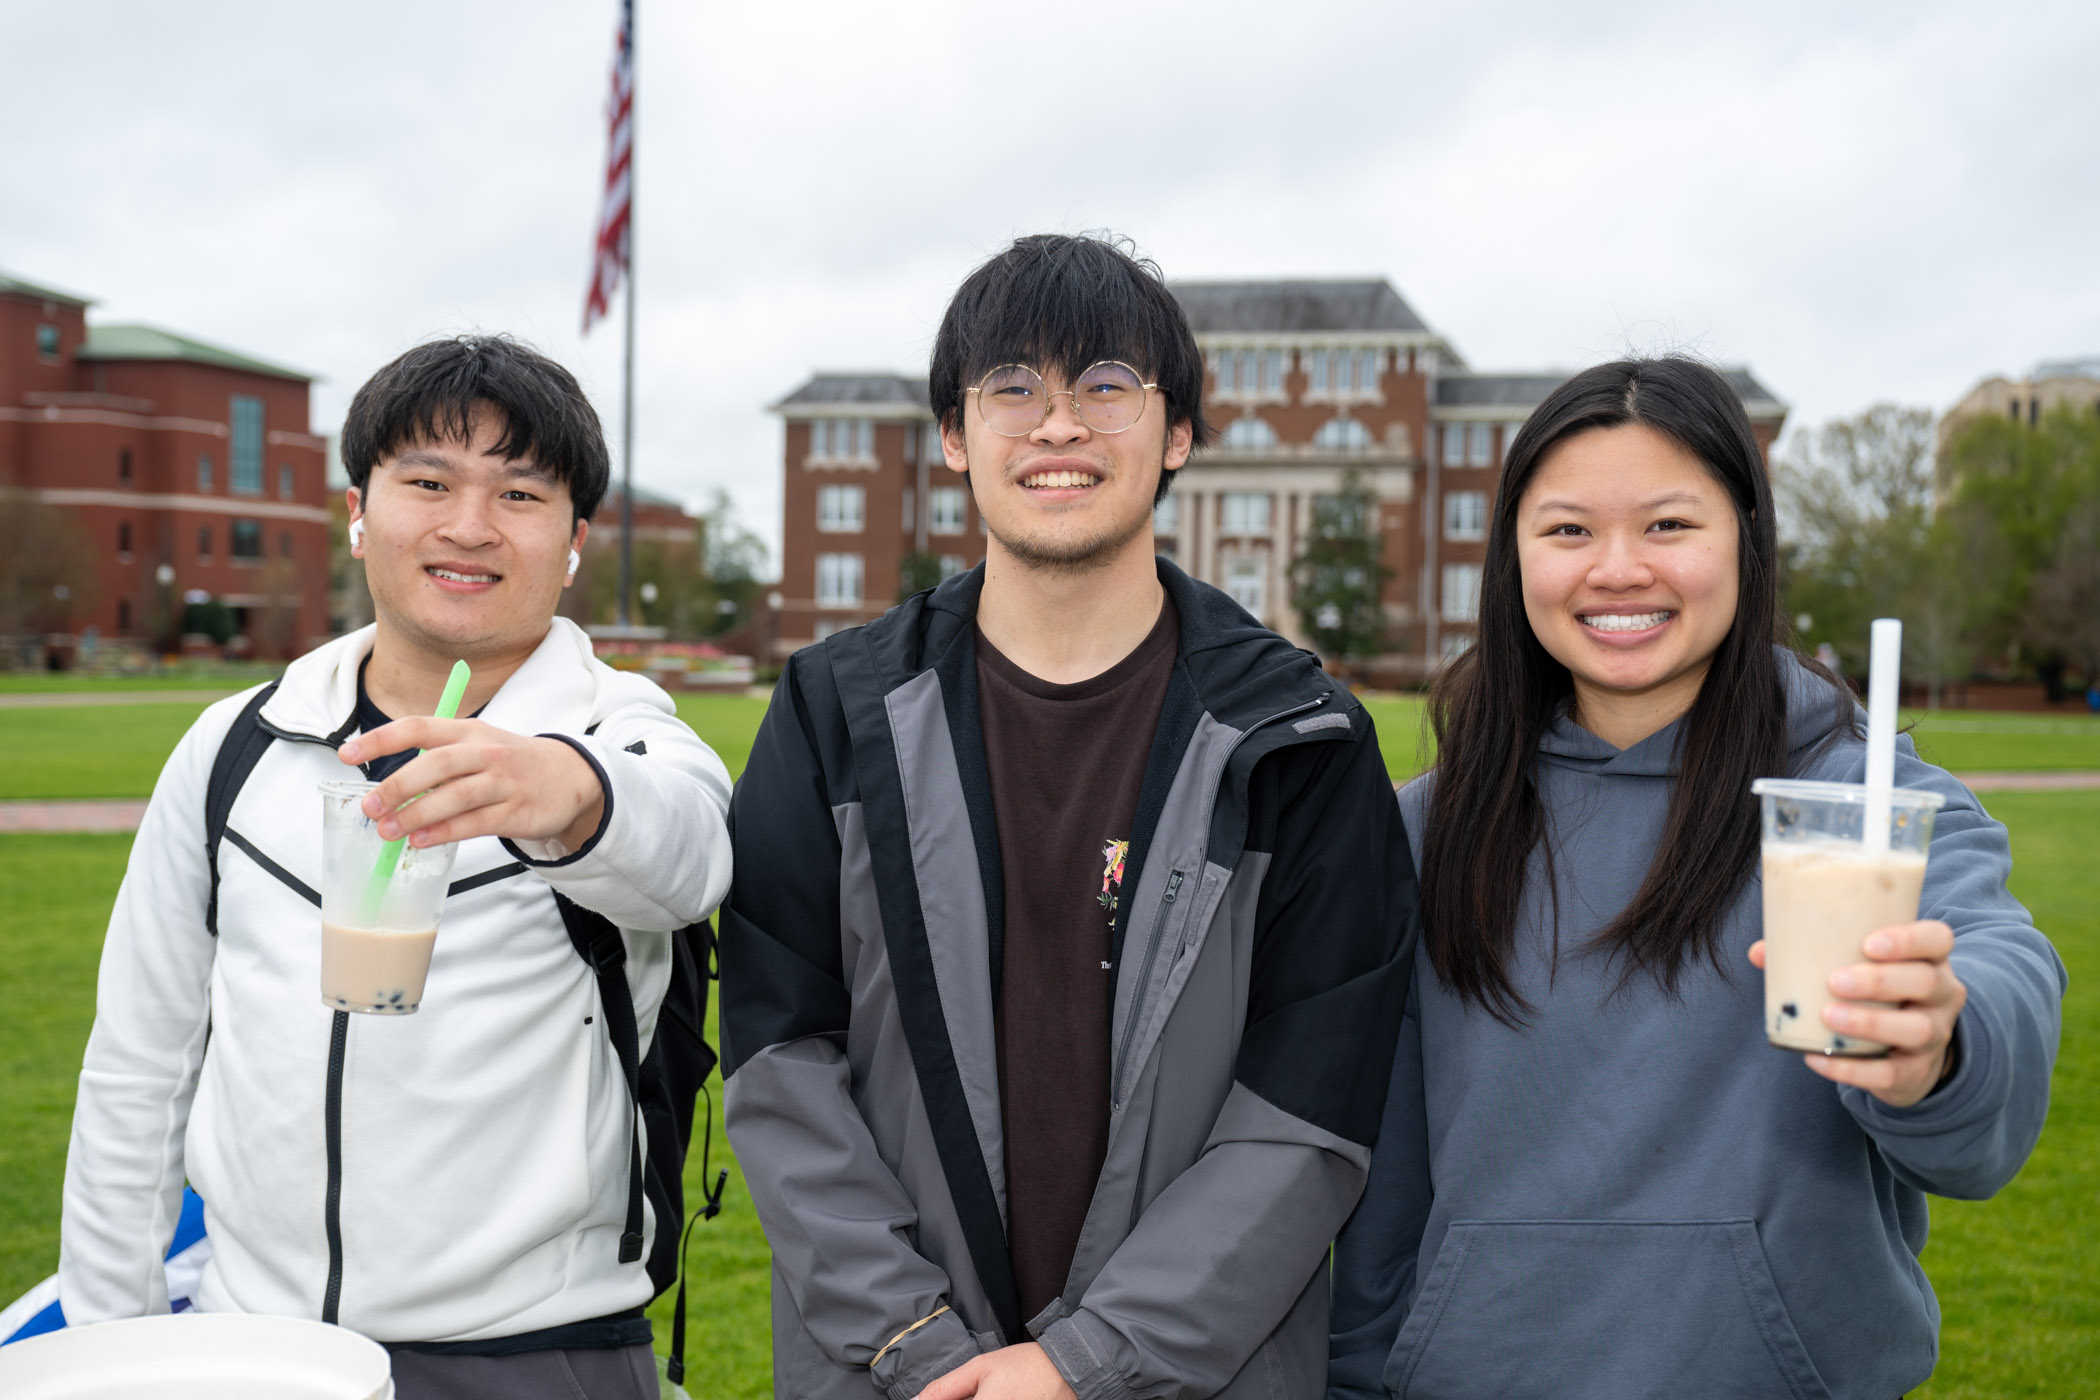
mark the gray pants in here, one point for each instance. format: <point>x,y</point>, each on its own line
<point>628,1373</point>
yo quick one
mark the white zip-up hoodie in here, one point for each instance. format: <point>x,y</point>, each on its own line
<point>484,1139</point>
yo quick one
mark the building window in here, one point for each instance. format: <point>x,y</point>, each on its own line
<point>1509,437</point>
<point>1342,435</point>
<point>1348,373</point>
<point>284,480</point>
<point>1455,645</point>
<point>204,471</point>
<point>1249,434</point>
<point>204,544</point>
<point>1454,453</point>
<point>946,514</point>
<point>1461,592</point>
<point>284,543</point>
<point>838,580</point>
<point>1247,580</point>
<point>124,464</point>
<point>825,626</point>
<point>244,453</point>
<point>1465,515</point>
<point>951,565</point>
<point>841,509</point>
<point>911,510</point>
<point>47,342</point>
<point>1479,444</point>
<point>842,440</point>
<point>244,540</point>
<point>123,539</point>
<point>1367,362</point>
<point>1166,517</point>
<point>123,614</point>
<point>1246,513</point>
<point>930,444</point>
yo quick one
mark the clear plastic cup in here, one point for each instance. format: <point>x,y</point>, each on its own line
<point>375,959</point>
<point>1825,892</point>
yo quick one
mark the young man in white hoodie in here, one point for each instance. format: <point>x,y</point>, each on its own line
<point>454,1183</point>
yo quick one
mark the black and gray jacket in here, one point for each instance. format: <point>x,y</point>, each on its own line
<point>1260,965</point>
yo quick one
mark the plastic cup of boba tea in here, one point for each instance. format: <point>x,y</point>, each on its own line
<point>375,952</point>
<point>1827,885</point>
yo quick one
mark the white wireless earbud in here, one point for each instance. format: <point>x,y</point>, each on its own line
<point>357,534</point>
<point>575,560</point>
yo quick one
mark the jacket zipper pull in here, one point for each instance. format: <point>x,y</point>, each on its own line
<point>1173,887</point>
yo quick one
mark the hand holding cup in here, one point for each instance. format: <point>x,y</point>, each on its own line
<point>1909,971</point>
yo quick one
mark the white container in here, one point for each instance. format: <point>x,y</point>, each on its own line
<point>198,1356</point>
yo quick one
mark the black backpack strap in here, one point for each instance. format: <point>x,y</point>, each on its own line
<point>598,943</point>
<point>239,752</point>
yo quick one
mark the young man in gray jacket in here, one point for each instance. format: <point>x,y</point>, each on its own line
<point>1071,922</point>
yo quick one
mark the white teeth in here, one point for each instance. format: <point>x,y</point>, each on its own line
<point>464,578</point>
<point>1056,480</point>
<point>1626,622</point>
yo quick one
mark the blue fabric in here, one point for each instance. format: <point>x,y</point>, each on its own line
<point>44,1311</point>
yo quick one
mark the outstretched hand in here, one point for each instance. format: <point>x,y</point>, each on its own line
<point>474,779</point>
<point>1909,969</point>
<point>1022,1372</point>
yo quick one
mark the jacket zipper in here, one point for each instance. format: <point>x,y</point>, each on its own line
<point>1124,1068</point>
<point>1159,923</point>
<point>332,1207</point>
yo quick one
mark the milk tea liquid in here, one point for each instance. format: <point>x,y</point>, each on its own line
<point>1822,899</point>
<point>374,969</point>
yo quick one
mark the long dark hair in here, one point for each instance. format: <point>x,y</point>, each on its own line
<point>1491,707</point>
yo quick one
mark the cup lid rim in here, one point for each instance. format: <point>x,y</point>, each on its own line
<point>1843,792</point>
<point>344,787</point>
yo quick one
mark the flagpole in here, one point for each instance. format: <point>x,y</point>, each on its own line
<point>634,68</point>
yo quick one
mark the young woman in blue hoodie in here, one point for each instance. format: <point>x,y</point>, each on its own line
<point>1595,1178</point>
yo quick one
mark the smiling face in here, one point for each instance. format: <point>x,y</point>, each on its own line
<point>1628,549</point>
<point>466,554</point>
<point>1065,497</point>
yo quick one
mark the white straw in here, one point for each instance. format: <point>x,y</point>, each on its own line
<point>1884,670</point>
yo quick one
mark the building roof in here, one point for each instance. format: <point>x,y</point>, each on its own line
<point>1302,306</point>
<point>643,496</point>
<point>2079,367</point>
<point>38,292</point>
<point>1472,389</point>
<point>152,343</point>
<point>830,391</point>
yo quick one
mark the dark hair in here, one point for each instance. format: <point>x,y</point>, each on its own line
<point>431,394</point>
<point>1064,301</point>
<point>1491,707</point>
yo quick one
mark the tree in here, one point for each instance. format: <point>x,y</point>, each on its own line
<point>1866,535</point>
<point>47,570</point>
<point>917,572</point>
<point>1338,577</point>
<point>2028,494</point>
<point>694,589</point>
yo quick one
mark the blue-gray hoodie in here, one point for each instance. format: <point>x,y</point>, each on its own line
<point>1635,1195</point>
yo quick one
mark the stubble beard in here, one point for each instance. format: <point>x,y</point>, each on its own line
<point>1082,556</point>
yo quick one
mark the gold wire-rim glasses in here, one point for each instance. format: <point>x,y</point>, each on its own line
<point>1079,410</point>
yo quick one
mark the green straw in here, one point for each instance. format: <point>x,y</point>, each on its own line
<point>390,851</point>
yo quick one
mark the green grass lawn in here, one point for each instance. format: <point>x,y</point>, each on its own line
<point>2021,1293</point>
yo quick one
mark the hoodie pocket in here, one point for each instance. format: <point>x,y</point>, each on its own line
<point>1617,1308</point>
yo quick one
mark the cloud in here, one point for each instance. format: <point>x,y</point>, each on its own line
<point>1866,202</point>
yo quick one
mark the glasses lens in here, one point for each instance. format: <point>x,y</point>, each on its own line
<point>1110,396</point>
<point>1011,397</point>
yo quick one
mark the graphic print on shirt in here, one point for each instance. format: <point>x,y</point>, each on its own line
<point>1112,854</point>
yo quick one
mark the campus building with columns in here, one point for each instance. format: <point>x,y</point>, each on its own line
<point>1306,382</point>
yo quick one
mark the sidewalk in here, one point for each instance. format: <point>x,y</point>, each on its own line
<point>124,814</point>
<point>47,700</point>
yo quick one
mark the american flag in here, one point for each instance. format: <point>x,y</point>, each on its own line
<point>609,258</point>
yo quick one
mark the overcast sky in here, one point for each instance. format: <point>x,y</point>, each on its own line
<point>1863,202</point>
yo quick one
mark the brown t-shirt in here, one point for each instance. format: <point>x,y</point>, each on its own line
<point>1066,763</point>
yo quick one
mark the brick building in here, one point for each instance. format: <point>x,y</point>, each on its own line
<point>190,469</point>
<point>1306,382</point>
